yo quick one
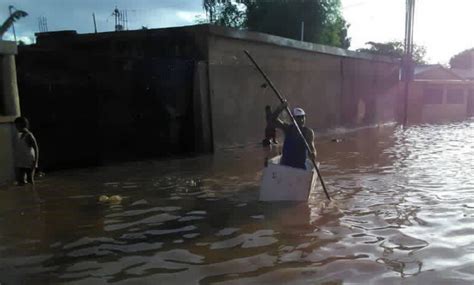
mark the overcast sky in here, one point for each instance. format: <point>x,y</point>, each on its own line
<point>442,26</point>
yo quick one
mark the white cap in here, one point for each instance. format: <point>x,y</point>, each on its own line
<point>298,112</point>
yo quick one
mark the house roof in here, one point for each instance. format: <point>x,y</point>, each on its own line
<point>467,74</point>
<point>435,72</point>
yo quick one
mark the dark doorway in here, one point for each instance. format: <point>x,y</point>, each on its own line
<point>153,112</point>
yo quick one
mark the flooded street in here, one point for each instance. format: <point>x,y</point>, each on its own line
<point>403,212</point>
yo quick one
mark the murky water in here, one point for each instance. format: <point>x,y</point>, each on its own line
<point>403,212</point>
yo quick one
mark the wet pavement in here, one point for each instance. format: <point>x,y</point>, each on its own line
<point>402,212</point>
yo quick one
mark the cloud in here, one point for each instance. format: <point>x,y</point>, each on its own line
<point>26,39</point>
<point>190,17</point>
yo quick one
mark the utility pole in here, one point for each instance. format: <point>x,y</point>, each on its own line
<point>95,24</point>
<point>302,30</point>
<point>407,60</point>
<point>10,9</point>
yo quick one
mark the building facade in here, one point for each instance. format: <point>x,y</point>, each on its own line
<point>438,101</point>
<point>439,95</point>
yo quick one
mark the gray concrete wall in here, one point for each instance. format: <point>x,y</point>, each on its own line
<point>335,87</point>
<point>10,109</point>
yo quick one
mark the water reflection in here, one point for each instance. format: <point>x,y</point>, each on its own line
<point>402,208</point>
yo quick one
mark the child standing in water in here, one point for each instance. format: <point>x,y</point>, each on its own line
<point>26,152</point>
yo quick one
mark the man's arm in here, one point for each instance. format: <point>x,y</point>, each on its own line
<point>309,136</point>
<point>277,122</point>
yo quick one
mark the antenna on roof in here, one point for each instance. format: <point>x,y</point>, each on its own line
<point>42,24</point>
<point>121,19</point>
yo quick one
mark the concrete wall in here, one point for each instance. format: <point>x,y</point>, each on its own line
<point>334,86</point>
<point>193,86</point>
<point>9,109</point>
<point>142,91</point>
<point>421,110</point>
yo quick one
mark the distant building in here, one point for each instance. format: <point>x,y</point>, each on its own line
<point>9,109</point>
<point>439,94</point>
<point>435,72</point>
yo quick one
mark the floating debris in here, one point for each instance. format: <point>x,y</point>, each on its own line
<point>103,198</point>
<point>114,199</point>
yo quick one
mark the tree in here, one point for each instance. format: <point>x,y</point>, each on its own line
<point>210,6</point>
<point>18,14</point>
<point>395,49</point>
<point>463,60</point>
<point>224,13</point>
<point>323,22</point>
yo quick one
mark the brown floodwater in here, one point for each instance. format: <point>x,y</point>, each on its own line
<point>402,212</point>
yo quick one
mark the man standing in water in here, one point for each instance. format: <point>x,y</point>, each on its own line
<point>294,149</point>
<point>270,130</point>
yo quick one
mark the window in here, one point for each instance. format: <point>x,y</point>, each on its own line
<point>433,95</point>
<point>455,96</point>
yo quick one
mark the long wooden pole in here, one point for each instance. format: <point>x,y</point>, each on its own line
<point>282,100</point>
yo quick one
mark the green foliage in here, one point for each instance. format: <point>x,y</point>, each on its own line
<point>335,34</point>
<point>335,27</point>
<point>230,15</point>
<point>18,14</point>
<point>395,49</point>
<point>223,13</point>
<point>463,60</point>
<point>323,22</point>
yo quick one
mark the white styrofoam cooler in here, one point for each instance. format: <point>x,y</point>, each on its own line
<point>284,183</point>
